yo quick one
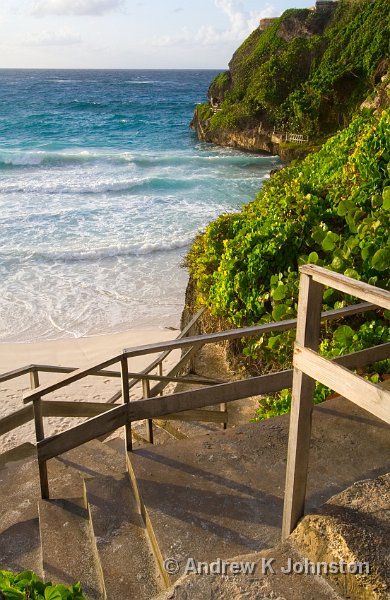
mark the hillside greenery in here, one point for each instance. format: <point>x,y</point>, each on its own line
<point>307,72</point>
<point>333,210</point>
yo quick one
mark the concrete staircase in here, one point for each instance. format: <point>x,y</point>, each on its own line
<point>213,497</point>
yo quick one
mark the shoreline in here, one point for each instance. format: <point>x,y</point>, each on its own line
<point>71,352</point>
<point>18,354</point>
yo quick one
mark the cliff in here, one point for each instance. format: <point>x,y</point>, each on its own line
<point>297,81</point>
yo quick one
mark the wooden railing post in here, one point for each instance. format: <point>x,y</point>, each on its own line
<point>149,422</point>
<point>39,435</point>
<point>160,372</point>
<point>126,400</point>
<point>224,409</point>
<point>308,333</point>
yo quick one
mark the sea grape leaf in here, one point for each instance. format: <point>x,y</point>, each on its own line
<point>344,207</point>
<point>11,593</point>
<point>279,312</point>
<point>381,259</point>
<point>329,241</point>
<point>273,342</point>
<point>52,593</point>
<point>318,234</point>
<point>279,293</point>
<point>343,335</point>
<point>386,198</point>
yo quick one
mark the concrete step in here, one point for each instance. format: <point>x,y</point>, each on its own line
<point>94,459</point>
<point>20,493</point>
<point>127,563</point>
<point>19,526</point>
<point>221,495</point>
<point>67,547</point>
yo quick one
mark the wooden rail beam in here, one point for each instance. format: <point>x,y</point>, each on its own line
<point>369,396</point>
<point>358,289</point>
<point>63,408</point>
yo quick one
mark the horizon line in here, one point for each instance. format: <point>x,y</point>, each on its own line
<point>113,69</point>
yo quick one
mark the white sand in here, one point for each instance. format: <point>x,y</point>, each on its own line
<point>70,352</point>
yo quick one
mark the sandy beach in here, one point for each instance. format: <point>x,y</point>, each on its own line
<point>70,352</point>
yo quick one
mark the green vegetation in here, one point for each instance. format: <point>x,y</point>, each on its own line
<point>332,209</point>
<point>27,586</point>
<point>308,72</point>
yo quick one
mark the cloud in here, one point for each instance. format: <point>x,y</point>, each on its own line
<point>74,7</point>
<point>241,24</point>
<point>52,38</point>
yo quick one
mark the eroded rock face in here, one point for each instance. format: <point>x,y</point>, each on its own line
<point>353,526</point>
<point>251,139</point>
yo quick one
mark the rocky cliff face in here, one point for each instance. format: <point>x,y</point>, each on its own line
<point>246,139</point>
<point>305,74</point>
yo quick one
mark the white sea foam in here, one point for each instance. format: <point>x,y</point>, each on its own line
<point>102,190</point>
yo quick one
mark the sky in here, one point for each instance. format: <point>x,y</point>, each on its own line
<point>129,34</point>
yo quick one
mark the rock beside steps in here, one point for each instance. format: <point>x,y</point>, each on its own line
<point>214,497</point>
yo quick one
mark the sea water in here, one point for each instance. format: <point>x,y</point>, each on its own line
<point>103,186</point>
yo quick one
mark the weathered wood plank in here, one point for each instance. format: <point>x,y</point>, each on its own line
<point>159,406</point>
<point>177,368</point>
<point>16,373</point>
<point>70,378</point>
<point>205,416</point>
<point>167,405</point>
<point>149,422</point>
<point>39,434</point>
<point>60,369</point>
<point>308,332</point>
<point>64,408</point>
<point>365,394</point>
<point>126,400</point>
<point>157,362</point>
<point>19,417</point>
<point>89,409</point>
<point>91,429</point>
<point>365,357</point>
<point>246,331</point>
<point>358,289</point>
<point>194,399</point>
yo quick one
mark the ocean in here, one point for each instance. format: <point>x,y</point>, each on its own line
<point>103,186</point>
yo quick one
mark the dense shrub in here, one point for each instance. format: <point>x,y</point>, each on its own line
<point>332,210</point>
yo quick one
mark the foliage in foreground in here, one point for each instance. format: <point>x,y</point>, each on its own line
<point>27,586</point>
<point>332,210</point>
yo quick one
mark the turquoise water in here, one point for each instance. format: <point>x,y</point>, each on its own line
<point>103,186</point>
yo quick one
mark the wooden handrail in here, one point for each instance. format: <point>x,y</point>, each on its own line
<point>71,378</point>
<point>198,340</point>
<point>195,399</point>
<point>309,367</point>
<point>63,408</point>
<point>157,362</point>
<point>358,289</point>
